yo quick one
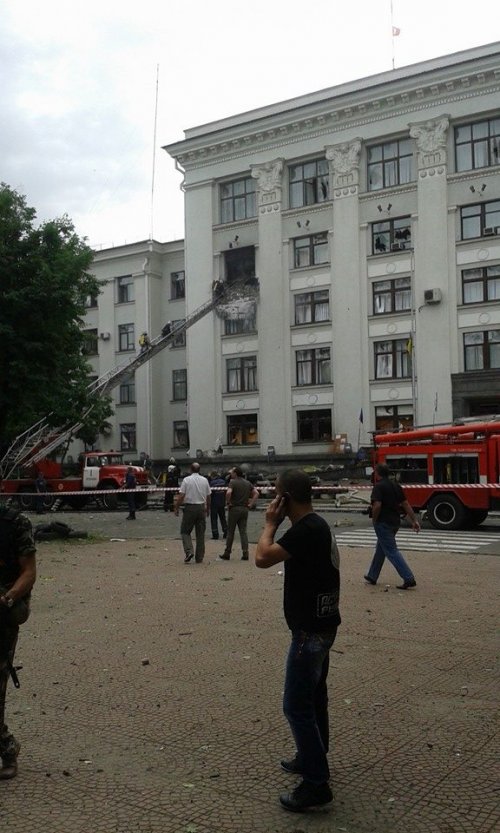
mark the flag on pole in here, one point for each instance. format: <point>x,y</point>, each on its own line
<point>361,416</point>
<point>409,346</point>
<point>395,31</point>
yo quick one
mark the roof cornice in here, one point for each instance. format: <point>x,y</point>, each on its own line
<point>408,90</point>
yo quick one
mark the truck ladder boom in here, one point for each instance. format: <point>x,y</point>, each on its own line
<point>41,439</point>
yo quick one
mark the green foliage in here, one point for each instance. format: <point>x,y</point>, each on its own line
<point>44,284</point>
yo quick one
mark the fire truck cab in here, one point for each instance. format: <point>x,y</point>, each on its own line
<point>451,472</point>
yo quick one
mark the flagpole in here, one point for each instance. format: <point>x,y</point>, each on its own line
<point>151,232</point>
<point>392,35</point>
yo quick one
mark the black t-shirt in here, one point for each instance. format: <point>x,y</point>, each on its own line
<point>312,578</point>
<point>390,495</point>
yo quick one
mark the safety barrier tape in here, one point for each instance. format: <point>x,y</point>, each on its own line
<point>152,489</point>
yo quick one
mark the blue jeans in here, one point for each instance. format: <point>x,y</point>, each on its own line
<point>305,701</point>
<point>387,548</point>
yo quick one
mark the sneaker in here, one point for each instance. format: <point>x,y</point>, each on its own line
<point>292,766</point>
<point>370,580</point>
<point>223,557</point>
<point>244,557</point>
<point>188,557</point>
<point>306,796</point>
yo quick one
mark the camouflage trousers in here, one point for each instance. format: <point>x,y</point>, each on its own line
<point>8,744</point>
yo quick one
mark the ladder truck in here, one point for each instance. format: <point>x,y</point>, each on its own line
<point>452,472</point>
<point>97,471</point>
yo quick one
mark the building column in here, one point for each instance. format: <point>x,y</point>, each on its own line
<point>274,294</point>
<point>347,323</point>
<point>431,339</point>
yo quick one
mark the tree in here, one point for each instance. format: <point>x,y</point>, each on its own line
<point>44,284</point>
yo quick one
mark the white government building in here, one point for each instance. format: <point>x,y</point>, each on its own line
<point>370,214</point>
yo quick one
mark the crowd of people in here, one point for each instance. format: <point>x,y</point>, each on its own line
<point>311,561</point>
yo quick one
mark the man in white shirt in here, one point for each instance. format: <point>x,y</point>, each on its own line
<point>194,496</point>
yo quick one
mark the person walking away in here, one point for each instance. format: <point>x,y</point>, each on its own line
<point>387,502</point>
<point>194,496</point>
<point>130,483</point>
<point>311,607</point>
<point>218,505</point>
<point>240,497</point>
<point>171,482</point>
<point>41,489</point>
<point>17,577</point>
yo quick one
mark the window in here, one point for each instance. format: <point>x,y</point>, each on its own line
<point>127,436</point>
<point>310,251</point>
<point>391,235</point>
<point>309,183</point>
<point>90,301</point>
<point>241,374</point>
<point>126,337</point>
<point>179,385</point>
<point>408,469</point>
<point>393,417</point>
<point>481,284</point>
<point>181,434</point>
<point>391,296</point>
<point>393,359</point>
<point>239,263</point>
<point>312,307</point>
<point>242,430</point>
<point>240,324</point>
<point>127,391</point>
<point>482,350</point>
<point>237,200</point>
<point>178,340</point>
<point>390,164</point>
<point>477,145</point>
<point>177,285</point>
<point>125,289</point>
<point>90,343</point>
<point>480,220</point>
<point>314,426</point>
<point>313,366</point>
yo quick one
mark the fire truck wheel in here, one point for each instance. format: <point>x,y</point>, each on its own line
<point>110,501</point>
<point>475,517</point>
<point>26,502</point>
<point>446,512</point>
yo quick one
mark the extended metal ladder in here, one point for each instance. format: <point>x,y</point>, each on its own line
<point>41,438</point>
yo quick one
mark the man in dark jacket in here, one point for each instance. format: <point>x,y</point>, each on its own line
<point>218,505</point>
<point>387,502</point>
<point>17,577</point>
<point>130,483</point>
<point>311,607</point>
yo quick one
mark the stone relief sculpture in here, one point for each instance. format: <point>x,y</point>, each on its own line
<point>268,174</point>
<point>344,157</point>
<point>430,135</point>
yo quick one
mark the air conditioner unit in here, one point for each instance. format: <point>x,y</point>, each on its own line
<point>105,336</point>
<point>487,232</point>
<point>432,296</point>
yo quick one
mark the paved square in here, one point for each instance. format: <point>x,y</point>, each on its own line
<point>151,697</point>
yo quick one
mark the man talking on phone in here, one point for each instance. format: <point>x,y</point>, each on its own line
<point>311,607</point>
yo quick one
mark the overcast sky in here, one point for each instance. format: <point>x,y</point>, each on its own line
<point>79,86</point>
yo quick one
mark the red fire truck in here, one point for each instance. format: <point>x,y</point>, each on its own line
<point>96,471</point>
<point>452,472</point>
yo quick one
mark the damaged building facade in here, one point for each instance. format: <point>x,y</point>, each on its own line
<point>369,215</point>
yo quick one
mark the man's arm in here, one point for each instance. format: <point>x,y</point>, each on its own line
<point>376,507</point>
<point>228,496</point>
<point>268,553</point>
<point>25,580</point>
<point>208,501</point>
<point>254,496</point>
<point>411,515</point>
<point>179,500</point>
